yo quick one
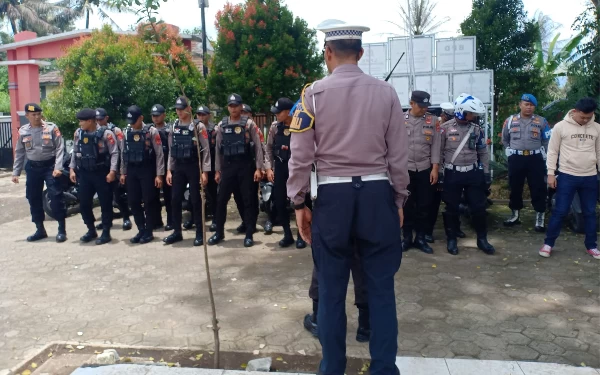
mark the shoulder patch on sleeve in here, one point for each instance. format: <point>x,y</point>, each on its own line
<point>302,119</point>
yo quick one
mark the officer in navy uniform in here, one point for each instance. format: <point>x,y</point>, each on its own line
<point>44,147</point>
<point>463,149</point>
<point>143,169</point>
<point>423,168</point>
<point>183,168</point>
<point>95,156</point>
<point>278,151</point>
<point>203,115</point>
<point>361,183</point>
<point>237,165</point>
<point>119,190</point>
<point>158,122</point>
<point>525,137</point>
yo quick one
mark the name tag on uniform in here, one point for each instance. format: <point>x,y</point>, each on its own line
<point>46,136</point>
<point>427,131</point>
<point>176,131</point>
<point>26,139</point>
<point>228,130</point>
<point>185,132</point>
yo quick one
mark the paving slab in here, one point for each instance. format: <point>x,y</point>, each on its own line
<point>530,368</point>
<point>478,367</point>
<point>422,366</point>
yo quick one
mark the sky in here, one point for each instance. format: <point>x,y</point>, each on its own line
<point>372,13</point>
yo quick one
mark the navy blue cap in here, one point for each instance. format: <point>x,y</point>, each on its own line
<point>281,105</point>
<point>32,107</point>
<point>133,114</point>
<point>86,114</point>
<point>101,113</point>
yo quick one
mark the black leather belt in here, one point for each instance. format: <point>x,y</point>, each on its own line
<point>42,163</point>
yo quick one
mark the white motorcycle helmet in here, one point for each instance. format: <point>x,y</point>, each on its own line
<point>467,103</point>
<point>448,108</point>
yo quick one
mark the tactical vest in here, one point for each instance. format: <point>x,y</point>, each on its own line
<point>236,140</point>
<point>138,146</point>
<point>282,138</point>
<point>92,153</point>
<point>183,147</point>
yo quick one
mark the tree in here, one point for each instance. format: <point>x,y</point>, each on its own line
<point>262,53</point>
<point>100,7</point>
<point>36,15</point>
<point>506,44</point>
<point>418,17</point>
<point>115,71</point>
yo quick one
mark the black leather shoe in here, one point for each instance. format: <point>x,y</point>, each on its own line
<point>188,225</point>
<point>429,238</point>
<point>199,241</point>
<point>286,241</point>
<point>268,227</point>
<point>99,226</point>
<point>406,244</point>
<point>485,246</point>
<point>173,237</point>
<point>241,229</point>
<point>363,334</point>
<point>104,238</point>
<point>89,236</point>
<point>137,238</point>
<point>300,243</point>
<point>452,247</point>
<point>310,325</point>
<point>168,227</point>
<point>38,235</point>
<point>460,234</point>
<point>61,237</point>
<point>213,227</point>
<point>216,238</point>
<point>147,238</point>
<point>248,242</point>
<point>422,245</point>
<point>126,224</point>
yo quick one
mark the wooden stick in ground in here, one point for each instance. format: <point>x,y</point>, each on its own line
<point>215,321</point>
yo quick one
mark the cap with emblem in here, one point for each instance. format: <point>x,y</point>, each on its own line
<point>32,107</point>
<point>421,98</point>
<point>448,108</point>
<point>529,98</point>
<point>101,113</point>
<point>181,103</point>
<point>281,105</point>
<point>339,30</point>
<point>204,110</point>
<point>246,108</point>
<point>234,99</point>
<point>157,110</point>
<point>86,114</point>
<point>133,114</point>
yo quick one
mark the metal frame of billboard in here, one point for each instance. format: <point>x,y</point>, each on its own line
<point>409,54</point>
<point>473,38</point>
<point>385,59</point>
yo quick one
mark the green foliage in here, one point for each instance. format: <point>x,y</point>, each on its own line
<point>418,17</point>
<point>549,62</point>
<point>506,44</point>
<point>115,71</point>
<point>262,53</point>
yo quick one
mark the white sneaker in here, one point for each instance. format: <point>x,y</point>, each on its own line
<point>546,250</point>
<point>594,253</point>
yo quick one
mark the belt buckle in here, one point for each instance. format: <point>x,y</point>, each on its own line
<point>526,152</point>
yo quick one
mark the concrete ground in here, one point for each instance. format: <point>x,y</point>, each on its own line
<point>511,306</point>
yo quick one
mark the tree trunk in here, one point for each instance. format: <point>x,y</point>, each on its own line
<point>87,18</point>
<point>13,25</point>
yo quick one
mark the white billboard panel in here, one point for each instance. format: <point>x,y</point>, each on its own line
<point>478,83</point>
<point>374,60</point>
<point>437,85</point>
<point>455,54</point>
<point>402,86</point>
<point>422,50</point>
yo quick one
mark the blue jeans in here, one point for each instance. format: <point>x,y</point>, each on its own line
<point>587,188</point>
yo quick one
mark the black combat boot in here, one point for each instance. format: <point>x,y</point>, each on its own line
<point>176,236</point>
<point>310,320</point>
<point>268,227</point>
<point>248,241</point>
<point>147,237</point>
<point>216,238</point>
<point>300,243</point>
<point>137,237</point>
<point>480,225</point>
<point>188,225</point>
<point>213,227</point>
<point>126,223</point>
<point>429,238</point>
<point>104,237</point>
<point>407,242</point>
<point>90,235</point>
<point>199,240</point>
<point>363,334</point>
<point>62,231</point>
<point>288,238</point>
<point>449,224</point>
<point>40,232</point>
<point>421,244</point>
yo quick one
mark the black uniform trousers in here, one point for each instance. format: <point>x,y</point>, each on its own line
<point>280,193</point>
<point>39,172</point>
<point>418,204</point>
<point>360,291</point>
<point>365,214</point>
<point>120,199</point>
<point>141,189</point>
<point>473,184</point>
<point>237,174</point>
<point>187,172</point>
<point>211,195</point>
<point>90,183</point>
<point>167,197</point>
<point>239,201</point>
<point>434,210</point>
<point>532,167</point>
